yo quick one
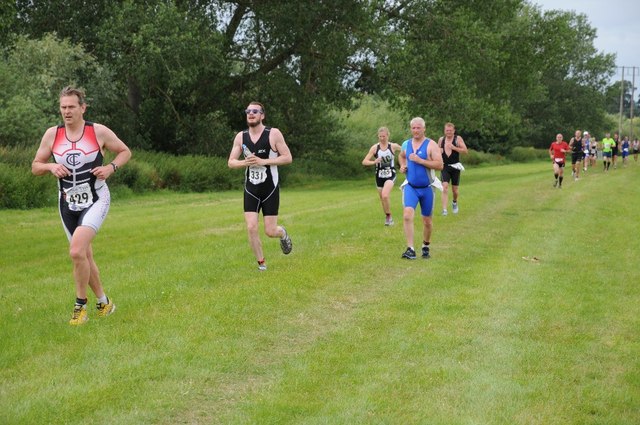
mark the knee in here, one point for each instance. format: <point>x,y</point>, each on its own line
<point>77,253</point>
<point>272,232</point>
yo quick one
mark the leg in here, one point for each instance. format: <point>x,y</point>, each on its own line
<point>271,228</point>
<point>456,191</point>
<point>251,218</point>
<point>445,195</point>
<point>385,196</point>
<point>407,222</point>
<point>85,271</point>
<point>427,224</point>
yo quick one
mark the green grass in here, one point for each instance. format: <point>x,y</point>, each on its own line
<point>342,331</point>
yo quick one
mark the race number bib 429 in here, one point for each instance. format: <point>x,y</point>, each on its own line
<point>257,174</point>
<point>79,197</point>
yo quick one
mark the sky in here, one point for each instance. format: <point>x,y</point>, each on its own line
<point>617,23</point>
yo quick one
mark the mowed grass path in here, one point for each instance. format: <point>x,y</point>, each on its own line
<point>342,331</point>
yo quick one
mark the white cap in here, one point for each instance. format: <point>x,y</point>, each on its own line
<point>586,132</point>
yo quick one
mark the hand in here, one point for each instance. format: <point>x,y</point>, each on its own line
<point>59,170</point>
<point>103,172</point>
<point>253,160</point>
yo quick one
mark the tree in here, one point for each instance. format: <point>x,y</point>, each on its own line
<point>31,78</point>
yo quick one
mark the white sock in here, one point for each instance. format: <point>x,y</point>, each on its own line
<point>103,299</point>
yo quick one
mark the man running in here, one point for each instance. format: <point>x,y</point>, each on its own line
<point>83,202</point>
<point>557,152</point>
<point>451,146</point>
<point>607,149</point>
<point>575,144</point>
<point>419,158</point>
<point>264,149</point>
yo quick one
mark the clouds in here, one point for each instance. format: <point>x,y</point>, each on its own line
<point>617,23</point>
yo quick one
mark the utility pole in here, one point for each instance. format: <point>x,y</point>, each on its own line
<point>621,102</point>
<point>633,101</point>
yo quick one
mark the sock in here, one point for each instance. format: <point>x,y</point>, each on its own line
<point>82,302</point>
<point>556,176</point>
<point>261,262</point>
<point>608,165</point>
<point>412,249</point>
<point>560,179</point>
<point>425,244</point>
<point>283,236</point>
<point>103,299</point>
<point>388,215</point>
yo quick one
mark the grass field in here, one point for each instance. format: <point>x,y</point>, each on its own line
<point>342,331</point>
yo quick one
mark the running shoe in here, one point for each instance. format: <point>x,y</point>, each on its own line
<point>105,309</point>
<point>555,183</point>
<point>388,221</point>
<point>285,243</point>
<point>445,212</point>
<point>79,315</point>
<point>425,252</point>
<point>454,207</point>
<point>262,266</point>
<point>409,254</point>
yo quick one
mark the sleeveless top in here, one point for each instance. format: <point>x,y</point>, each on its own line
<point>385,168</point>
<point>576,147</point>
<point>80,157</point>
<point>418,176</point>
<point>259,176</point>
<point>455,155</point>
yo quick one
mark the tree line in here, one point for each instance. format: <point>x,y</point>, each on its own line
<point>175,75</point>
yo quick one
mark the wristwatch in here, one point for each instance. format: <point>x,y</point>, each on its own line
<point>115,167</point>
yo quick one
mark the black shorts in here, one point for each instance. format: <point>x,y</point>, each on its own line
<point>267,200</point>
<point>449,174</point>
<point>559,164</point>
<point>381,181</point>
<point>576,157</point>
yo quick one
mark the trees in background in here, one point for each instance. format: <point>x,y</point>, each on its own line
<point>175,76</point>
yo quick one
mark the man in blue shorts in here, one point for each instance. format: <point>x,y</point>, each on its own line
<point>418,159</point>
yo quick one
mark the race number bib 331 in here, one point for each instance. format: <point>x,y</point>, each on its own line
<point>79,197</point>
<point>257,174</point>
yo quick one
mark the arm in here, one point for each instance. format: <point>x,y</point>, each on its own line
<point>234,157</point>
<point>462,147</point>
<point>41,165</point>
<point>434,157</point>
<point>368,159</point>
<point>109,141</point>
<point>402,160</point>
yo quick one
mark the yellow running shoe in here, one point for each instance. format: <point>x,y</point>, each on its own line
<point>105,309</point>
<point>79,316</point>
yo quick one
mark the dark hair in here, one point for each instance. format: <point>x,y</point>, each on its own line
<point>258,104</point>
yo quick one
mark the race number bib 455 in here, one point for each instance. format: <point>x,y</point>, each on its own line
<point>79,197</point>
<point>257,174</point>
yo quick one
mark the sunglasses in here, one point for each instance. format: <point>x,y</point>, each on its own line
<point>253,111</point>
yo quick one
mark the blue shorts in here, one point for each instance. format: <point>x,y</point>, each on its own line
<point>606,154</point>
<point>411,196</point>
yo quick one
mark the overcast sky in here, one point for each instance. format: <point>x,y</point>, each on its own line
<point>618,27</point>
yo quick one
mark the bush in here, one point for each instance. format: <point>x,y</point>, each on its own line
<point>527,154</point>
<point>19,189</point>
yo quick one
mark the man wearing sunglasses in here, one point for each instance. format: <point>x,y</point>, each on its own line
<point>260,150</point>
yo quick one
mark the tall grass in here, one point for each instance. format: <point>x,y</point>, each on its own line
<point>342,330</point>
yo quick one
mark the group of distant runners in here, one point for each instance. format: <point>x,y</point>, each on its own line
<point>584,150</point>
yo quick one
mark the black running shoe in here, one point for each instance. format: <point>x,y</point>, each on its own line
<point>285,243</point>
<point>409,254</point>
<point>425,252</point>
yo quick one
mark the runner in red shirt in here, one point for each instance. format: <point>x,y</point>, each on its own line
<point>556,152</point>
